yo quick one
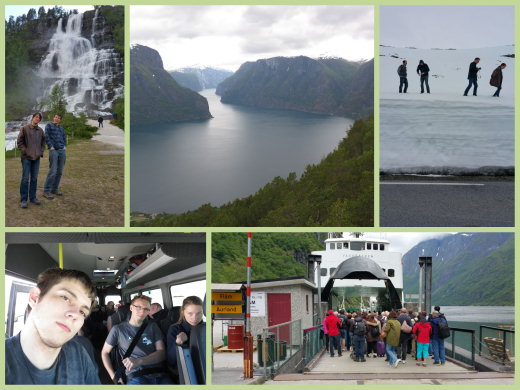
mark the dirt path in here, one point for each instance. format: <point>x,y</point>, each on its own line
<point>92,186</point>
<point>108,134</point>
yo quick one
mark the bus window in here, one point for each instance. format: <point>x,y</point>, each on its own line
<point>155,294</point>
<point>113,298</point>
<point>181,291</point>
<point>16,303</point>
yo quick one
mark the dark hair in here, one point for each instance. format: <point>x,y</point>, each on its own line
<point>392,314</point>
<point>52,276</point>
<point>437,308</point>
<point>476,58</point>
<point>193,300</point>
<point>57,113</point>
<point>39,115</point>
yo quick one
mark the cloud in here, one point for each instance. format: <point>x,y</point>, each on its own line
<point>214,35</point>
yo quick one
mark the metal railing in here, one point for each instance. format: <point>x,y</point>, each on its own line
<point>461,356</point>
<point>313,342</point>
<point>277,344</point>
<point>504,356</point>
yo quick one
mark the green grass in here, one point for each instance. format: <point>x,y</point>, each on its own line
<point>92,186</point>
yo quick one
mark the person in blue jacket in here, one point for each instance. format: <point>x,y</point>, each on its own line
<point>179,333</point>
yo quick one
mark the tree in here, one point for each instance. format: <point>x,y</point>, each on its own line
<point>31,14</point>
<point>57,103</point>
<point>41,12</point>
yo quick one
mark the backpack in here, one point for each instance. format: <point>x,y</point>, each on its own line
<point>444,329</point>
<point>359,328</point>
<point>374,332</point>
<point>401,71</point>
<point>405,327</point>
<point>344,322</point>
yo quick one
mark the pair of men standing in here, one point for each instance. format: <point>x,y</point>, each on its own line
<point>496,78</point>
<point>31,142</point>
<point>422,70</point>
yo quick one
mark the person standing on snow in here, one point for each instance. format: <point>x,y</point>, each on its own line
<point>403,81</point>
<point>472,77</point>
<point>496,79</point>
<point>423,70</point>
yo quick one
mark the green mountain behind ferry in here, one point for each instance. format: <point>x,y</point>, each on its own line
<point>275,255</point>
<point>468,269</point>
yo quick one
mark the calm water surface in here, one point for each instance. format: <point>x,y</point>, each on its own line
<point>178,167</point>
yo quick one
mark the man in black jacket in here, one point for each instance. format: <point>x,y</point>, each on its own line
<point>423,70</point>
<point>403,81</point>
<point>472,77</point>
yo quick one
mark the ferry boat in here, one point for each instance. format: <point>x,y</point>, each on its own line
<point>344,246</point>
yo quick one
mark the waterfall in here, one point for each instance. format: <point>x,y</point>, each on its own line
<point>88,70</point>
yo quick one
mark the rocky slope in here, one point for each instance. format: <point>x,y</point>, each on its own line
<point>155,96</point>
<point>331,86</point>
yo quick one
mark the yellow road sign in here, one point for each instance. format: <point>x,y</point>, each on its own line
<point>226,296</point>
<point>226,309</point>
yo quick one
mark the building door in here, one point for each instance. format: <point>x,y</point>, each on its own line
<point>278,312</point>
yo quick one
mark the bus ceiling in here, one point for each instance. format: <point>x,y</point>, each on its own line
<point>134,258</point>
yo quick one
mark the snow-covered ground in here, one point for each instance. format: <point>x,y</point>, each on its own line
<point>445,128</point>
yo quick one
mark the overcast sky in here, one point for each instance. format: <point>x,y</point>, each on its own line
<point>227,36</point>
<point>458,27</point>
<point>17,10</point>
<point>403,242</point>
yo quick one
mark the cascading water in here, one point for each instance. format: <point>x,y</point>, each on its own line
<point>88,70</point>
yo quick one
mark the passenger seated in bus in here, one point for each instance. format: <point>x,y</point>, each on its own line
<point>179,333</point>
<point>46,351</point>
<point>121,314</point>
<point>145,365</point>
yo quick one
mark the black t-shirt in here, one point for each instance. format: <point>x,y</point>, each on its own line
<point>72,366</point>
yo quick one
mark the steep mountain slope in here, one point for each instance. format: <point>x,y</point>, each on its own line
<point>468,268</point>
<point>155,96</point>
<point>331,86</point>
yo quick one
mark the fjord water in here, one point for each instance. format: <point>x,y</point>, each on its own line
<point>181,166</point>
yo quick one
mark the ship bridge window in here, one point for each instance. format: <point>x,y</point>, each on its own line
<point>345,245</point>
<point>375,246</point>
<point>381,247</point>
<point>323,272</point>
<point>369,245</point>
<point>332,246</point>
<point>332,270</point>
<point>357,246</point>
<point>391,272</point>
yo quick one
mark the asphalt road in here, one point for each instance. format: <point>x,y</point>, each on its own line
<point>457,202</point>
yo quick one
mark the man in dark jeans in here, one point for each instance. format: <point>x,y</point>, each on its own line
<point>31,142</point>
<point>57,143</point>
<point>422,70</point>
<point>403,81</point>
<point>472,77</point>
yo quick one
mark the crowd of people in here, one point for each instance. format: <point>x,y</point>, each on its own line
<point>390,334</point>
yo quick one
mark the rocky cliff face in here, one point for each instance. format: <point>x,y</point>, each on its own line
<point>331,86</point>
<point>155,96</point>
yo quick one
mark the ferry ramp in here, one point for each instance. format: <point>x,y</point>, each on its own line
<point>344,370</point>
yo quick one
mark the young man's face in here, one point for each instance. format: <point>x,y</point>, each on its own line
<point>60,314</point>
<point>57,119</point>
<point>140,309</point>
<point>35,120</point>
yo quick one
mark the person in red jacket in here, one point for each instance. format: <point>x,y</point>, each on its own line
<point>422,331</point>
<point>333,325</point>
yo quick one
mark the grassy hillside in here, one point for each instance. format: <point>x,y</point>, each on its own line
<point>273,255</point>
